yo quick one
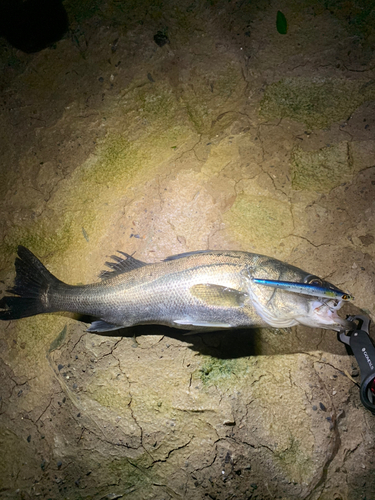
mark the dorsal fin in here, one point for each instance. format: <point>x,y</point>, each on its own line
<point>121,266</point>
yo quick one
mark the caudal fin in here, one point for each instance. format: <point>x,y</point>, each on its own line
<point>32,284</point>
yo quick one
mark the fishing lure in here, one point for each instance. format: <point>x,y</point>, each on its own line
<point>314,290</point>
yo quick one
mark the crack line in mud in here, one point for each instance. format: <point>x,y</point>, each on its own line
<point>170,453</point>
<point>44,411</point>
<point>16,384</point>
<point>191,149</point>
<point>349,451</point>
<point>304,238</point>
<point>337,439</point>
<point>199,469</point>
<point>358,70</point>
<point>132,413</point>
<point>146,474</point>
<point>274,184</point>
<point>317,359</point>
<point>83,429</point>
<point>256,446</point>
<point>78,341</point>
<point>322,338</point>
<point>110,353</point>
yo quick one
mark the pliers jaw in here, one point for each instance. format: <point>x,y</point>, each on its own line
<point>363,349</point>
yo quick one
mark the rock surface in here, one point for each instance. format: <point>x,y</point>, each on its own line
<point>229,136</point>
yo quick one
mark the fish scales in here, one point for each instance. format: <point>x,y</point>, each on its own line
<point>159,291</point>
<point>200,290</point>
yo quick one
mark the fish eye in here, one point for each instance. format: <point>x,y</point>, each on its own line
<point>313,280</point>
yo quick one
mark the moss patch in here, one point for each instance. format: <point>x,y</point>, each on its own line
<point>157,102</point>
<point>294,460</point>
<point>321,170</point>
<point>119,161</point>
<point>315,102</point>
<point>86,200</point>
<point>214,371</point>
<point>132,474</point>
<point>39,237</point>
<point>110,392</point>
<point>34,337</point>
<point>258,219</point>
<point>294,449</point>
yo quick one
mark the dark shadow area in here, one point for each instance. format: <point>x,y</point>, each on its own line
<point>231,344</point>
<point>32,25</point>
<point>223,344</point>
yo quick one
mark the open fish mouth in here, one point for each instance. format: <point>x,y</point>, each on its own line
<point>325,313</point>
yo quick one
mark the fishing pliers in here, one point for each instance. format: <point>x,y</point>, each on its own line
<point>363,349</point>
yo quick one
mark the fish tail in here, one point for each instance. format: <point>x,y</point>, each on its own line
<point>32,284</point>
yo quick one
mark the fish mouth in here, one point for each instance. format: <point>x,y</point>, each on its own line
<point>325,314</point>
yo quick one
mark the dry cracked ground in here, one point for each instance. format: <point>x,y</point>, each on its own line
<point>229,136</point>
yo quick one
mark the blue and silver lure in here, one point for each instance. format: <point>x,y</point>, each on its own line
<point>312,289</point>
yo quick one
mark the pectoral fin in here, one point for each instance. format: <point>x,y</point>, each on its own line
<point>217,295</point>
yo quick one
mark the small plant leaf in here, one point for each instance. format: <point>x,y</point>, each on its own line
<point>281,23</point>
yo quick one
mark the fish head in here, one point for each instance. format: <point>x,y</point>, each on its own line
<point>322,313</point>
<point>281,308</point>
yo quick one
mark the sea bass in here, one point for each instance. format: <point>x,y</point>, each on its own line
<point>202,290</point>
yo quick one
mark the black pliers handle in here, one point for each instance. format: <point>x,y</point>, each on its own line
<point>363,349</point>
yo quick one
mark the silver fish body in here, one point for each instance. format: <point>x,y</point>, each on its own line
<point>195,291</point>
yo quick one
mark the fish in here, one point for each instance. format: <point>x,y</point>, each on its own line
<point>196,291</point>
<point>313,288</point>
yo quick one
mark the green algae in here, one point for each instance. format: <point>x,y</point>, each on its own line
<point>132,474</point>
<point>38,236</point>
<point>157,103</point>
<point>294,444</point>
<point>120,161</point>
<point>121,476</point>
<point>317,102</point>
<point>111,393</point>
<point>215,371</point>
<point>117,165</point>
<point>117,158</point>
<point>34,337</point>
<point>295,461</point>
<point>322,170</point>
<point>259,219</point>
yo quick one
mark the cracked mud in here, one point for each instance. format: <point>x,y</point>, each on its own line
<point>231,136</point>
